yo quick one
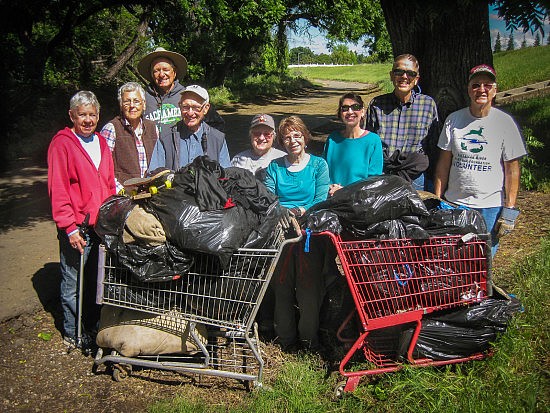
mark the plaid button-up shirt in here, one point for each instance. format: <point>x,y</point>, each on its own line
<point>408,127</point>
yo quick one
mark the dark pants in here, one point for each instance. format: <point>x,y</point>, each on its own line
<point>300,281</point>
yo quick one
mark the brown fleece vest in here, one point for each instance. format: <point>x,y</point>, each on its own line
<point>125,154</point>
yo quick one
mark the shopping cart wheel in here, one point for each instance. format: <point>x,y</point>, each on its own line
<point>339,389</point>
<point>121,371</point>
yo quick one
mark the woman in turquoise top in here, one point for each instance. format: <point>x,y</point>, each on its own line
<point>352,154</point>
<point>300,180</point>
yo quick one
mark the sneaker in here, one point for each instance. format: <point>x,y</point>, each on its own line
<point>86,343</point>
<point>70,342</point>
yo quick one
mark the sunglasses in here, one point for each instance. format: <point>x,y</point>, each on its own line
<point>355,107</point>
<point>401,72</point>
<point>487,86</point>
<point>266,135</point>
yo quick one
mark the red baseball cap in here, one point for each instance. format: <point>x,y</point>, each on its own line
<point>482,69</point>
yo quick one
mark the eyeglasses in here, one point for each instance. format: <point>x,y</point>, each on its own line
<point>266,135</point>
<point>401,72</point>
<point>355,107</point>
<point>194,109</point>
<point>487,86</point>
<point>134,102</point>
<point>294,135</point>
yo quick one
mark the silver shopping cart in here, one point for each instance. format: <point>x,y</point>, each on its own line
<point>225,301</point>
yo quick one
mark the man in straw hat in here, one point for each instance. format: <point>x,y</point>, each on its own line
<point>163,70</point>
<point>479,159</point>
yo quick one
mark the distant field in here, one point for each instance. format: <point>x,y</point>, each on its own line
<point>515,68</point>
<point>376,73</point>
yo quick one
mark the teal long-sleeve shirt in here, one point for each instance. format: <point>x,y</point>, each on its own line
<point>298,189</point>
<point>352,160</point>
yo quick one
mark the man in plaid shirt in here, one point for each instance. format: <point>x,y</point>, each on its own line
<point>408,125</point>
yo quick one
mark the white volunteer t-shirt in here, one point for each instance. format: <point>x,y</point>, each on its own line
<point>479,145</point>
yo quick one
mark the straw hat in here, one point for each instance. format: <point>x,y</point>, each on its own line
<point>144,65</point>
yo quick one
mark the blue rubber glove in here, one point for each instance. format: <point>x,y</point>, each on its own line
<point>506,222</point>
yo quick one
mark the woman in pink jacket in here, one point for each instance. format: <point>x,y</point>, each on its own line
<point>80,178</point>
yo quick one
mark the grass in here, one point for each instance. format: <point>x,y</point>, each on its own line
<point>522,67</point>
<point>515,379</point>
<point>514,68</point>
<point>534,117</point>
<point>375,73</point>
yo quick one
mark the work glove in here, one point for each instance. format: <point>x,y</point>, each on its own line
<point>286,218</point>
<point>297,212</point>
<point>506,222</point>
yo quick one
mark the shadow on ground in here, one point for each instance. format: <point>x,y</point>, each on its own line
<point>23,197</point>
<point>46,283</point>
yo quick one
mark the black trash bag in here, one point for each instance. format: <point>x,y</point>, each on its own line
<point>218,232</point>
<point>263,235</point>
<point>250,193</point>
<point>454,222</point>
<point>337,305</point>
<point>408,226</point>
<point>461,332</point>
<point>147,264</point>
<point>322,220</point>
<point>373,200</point>
<point>143,296</point>
<point>214,210</point>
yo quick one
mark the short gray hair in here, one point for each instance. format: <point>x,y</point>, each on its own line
<point>131,87</point>
<point>84,97</point>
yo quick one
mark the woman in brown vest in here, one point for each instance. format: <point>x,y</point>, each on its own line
<point>130,136</point>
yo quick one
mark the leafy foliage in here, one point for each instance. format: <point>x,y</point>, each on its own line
<point>524,15</point>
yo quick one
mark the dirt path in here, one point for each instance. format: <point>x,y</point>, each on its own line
<point>28,244</point>
<point>38,375</point>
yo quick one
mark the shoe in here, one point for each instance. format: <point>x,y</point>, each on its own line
<point>70,342</point>
<point>86,344</point>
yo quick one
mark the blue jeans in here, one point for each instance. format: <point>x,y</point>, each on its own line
<point>490,215</point>
<point>69,259</point>
<point>418,182</point>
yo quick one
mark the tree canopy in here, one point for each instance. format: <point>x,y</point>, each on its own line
<point>76,44</point>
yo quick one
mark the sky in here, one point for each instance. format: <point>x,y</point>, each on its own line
<point>317,42</point>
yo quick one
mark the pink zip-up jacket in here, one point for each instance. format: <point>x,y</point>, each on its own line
<point>75,186</point>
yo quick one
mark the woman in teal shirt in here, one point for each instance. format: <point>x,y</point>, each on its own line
<point>300,180</point>
<point>352,154</point>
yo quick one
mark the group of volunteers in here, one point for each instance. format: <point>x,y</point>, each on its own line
<point>168,125</point>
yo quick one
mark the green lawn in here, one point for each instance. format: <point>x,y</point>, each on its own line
<point>515,68</point>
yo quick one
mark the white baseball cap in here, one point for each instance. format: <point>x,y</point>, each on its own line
<point>197,90</point>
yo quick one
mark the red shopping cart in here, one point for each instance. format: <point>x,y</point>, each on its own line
<point>222,301</point>
<point>397,282</point>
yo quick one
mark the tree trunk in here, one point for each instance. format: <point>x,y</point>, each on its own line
<point>130,50</point>
<point>447,37</point>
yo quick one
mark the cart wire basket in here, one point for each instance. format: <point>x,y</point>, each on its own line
<point>395,283</point>
<point>224,301</point>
